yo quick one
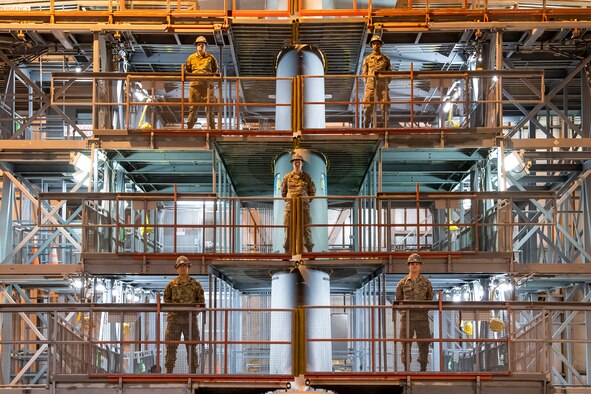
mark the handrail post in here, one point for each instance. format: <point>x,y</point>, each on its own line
<point>509,339</point>
<point>440,322</point>
<point>373,339</point>
<point>226,317</point>
<point>158,341</point>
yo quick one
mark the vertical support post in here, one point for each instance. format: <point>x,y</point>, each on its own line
<point>499,82</point>
<point>158,341</point>
<point>6,204</point>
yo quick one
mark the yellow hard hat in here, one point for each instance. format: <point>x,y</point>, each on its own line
<point>146,126</point>
<point>496,324</point>
<point>467,328</point>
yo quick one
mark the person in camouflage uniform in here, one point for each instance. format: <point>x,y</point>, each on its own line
<point>376,88</point>
<point>201,90</point>
<point>182,290</point>
<point>415,287</point>
<point>297,183</point>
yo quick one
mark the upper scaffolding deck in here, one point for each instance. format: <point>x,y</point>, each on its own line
<point>180,14</point>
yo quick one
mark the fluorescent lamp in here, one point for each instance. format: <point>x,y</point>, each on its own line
<point>515,164</point>
<point>505,287</point>
<point>467,204</point>
<point>512,160</point>
<point>446,106</point>
<point>81,162</point>
<point>139,95</point>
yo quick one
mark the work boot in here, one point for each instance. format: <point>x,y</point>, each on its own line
<point>190,124</point>
<point>423,367</point>
<point>366,123</point>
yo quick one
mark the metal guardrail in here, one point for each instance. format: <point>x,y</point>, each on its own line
<point>159,102</point>
<point>441,223</point>
<point>286,8</point>
<point>340,340</point>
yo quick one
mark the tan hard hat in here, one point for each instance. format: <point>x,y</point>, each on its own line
<point>200,40</point>
<point>296,156</point>
<point>414,258</point>
<point>376,38</point>
<point>182,260</point>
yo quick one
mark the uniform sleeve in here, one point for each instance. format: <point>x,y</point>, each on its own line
<point>429,291</point>
<point>389,68</point>
<point>188,66</point>
<point>364,68</point>
<point>214,65</point>
<point>399,294</point>
<point>168,294</point>
<point>200,294</point>
<point>311,187</point>
<point>284,187</point>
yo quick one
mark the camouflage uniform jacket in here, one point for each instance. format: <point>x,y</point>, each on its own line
<point>414,290</point>
<point>297,185</point>
<point>373,64</point>
<point>201,64</point>
<point>178,292</point>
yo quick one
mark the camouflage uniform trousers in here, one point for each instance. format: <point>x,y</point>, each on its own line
<point>381,93</point>
<point>306,232</point>
<point>418,324</point>
<point>201,92</point>
<point>187,325</point>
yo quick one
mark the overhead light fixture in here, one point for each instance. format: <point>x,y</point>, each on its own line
<point>77,283</point>
<point>466,204</point>
<point>100,287</point>
<point>81,162</point>
<point>139,95</point>
<point>512,160</point>
<point>516,165</point>
<point>447,106</point>
<point>505,287</point>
